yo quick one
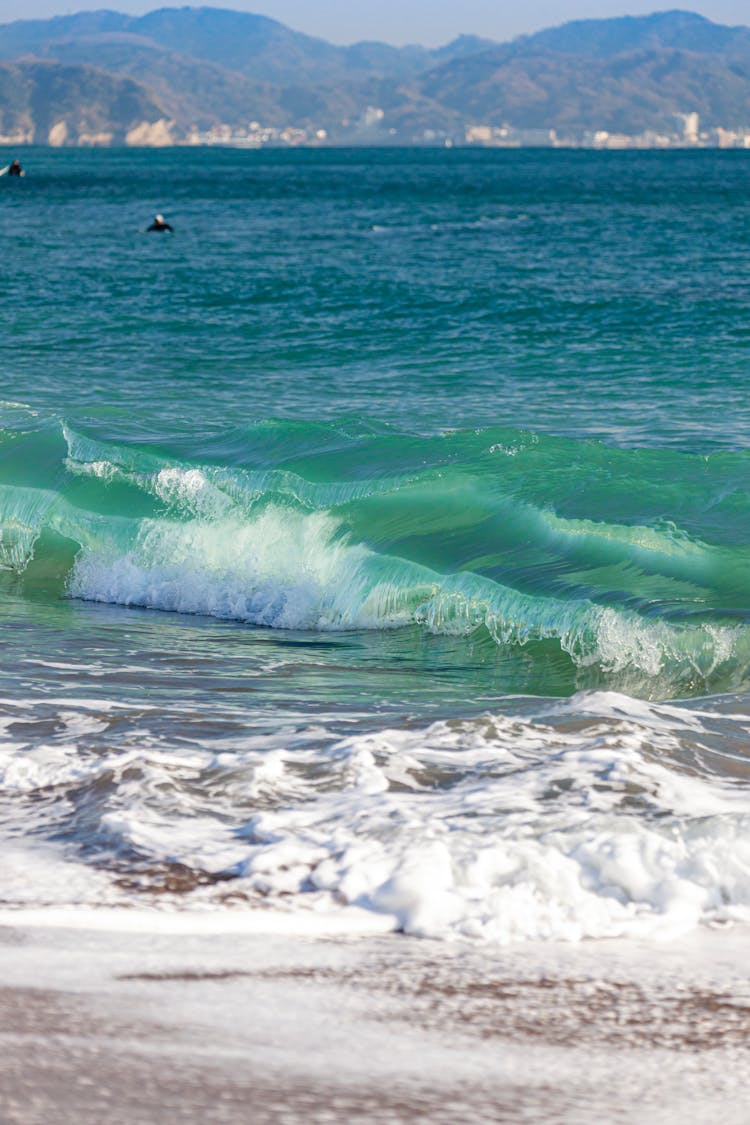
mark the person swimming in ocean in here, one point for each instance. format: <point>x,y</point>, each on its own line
<point>160,223</point>
<point>15,169</point>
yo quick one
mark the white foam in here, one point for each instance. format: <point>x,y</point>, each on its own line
<point>497,858</point>
<point>35,875</point>
<point>260,921</point>
<point>283,568</point>
<point>495,829</point>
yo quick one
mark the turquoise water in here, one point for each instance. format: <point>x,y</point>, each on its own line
<point>392,486</point>
<point>590,294</point>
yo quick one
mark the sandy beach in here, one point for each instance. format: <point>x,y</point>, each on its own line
<point>149,1027</point>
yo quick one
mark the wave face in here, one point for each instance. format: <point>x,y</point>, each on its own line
<point>591,565</point>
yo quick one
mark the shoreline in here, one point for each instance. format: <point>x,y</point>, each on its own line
<point>158,1027</point>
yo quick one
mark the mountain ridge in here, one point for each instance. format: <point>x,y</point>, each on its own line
<point>211,71</point>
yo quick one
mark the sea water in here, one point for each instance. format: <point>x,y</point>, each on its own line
<point>378,543</point>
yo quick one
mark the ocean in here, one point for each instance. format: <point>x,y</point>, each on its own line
<point>375,548</point>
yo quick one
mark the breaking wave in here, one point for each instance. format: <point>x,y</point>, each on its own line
<point>628,564</point>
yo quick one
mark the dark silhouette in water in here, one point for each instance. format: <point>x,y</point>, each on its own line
<point>15,169</point>
<point>160,223</point>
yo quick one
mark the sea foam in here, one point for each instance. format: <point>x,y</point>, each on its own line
<point>499,828</point>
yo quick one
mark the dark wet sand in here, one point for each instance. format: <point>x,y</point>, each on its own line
<point>143,1028</point>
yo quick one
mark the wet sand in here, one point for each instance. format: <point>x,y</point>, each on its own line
<point>158,1028</point>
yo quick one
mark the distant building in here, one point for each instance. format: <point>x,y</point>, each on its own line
<point>691,128</point>
<point>604,139</point>
<point>491,135</point>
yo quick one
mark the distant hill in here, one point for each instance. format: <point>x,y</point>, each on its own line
<point>626,93</point>
<point>605,38</point>
<point>249,44</point>
<point>189,91</point>
<point>195,68</point>
<point>627,74</point>
<point>76,104</point>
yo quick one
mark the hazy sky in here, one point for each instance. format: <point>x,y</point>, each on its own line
<point>403,21</point>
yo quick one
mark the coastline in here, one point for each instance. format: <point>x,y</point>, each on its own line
<point>145,1026</point>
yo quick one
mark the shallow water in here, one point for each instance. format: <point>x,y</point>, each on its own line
<point>380,538</point>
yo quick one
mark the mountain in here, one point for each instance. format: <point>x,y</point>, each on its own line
<point>190,91</point>
<point>630,93</point>
<point>623,75</point>
<point>40,101</point>
<point>198,68</point>
<point>605,38</point>
<point>238,41</point>
<point>208,65</point>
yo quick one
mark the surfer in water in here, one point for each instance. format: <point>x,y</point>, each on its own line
<point>15,169</point>
<point>160,223</point>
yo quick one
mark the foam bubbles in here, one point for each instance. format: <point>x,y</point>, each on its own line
<point>591,820</point>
